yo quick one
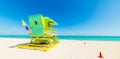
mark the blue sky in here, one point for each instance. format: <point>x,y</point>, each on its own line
<point>75,17</point>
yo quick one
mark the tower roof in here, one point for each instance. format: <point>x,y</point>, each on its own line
<point>51,21</point>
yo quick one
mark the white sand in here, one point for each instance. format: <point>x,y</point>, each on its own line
<point>67,49</point>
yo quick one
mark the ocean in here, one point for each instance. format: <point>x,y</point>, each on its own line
<point>90,38</point>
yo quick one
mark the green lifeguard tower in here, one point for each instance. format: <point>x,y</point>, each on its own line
<point>43,36</point>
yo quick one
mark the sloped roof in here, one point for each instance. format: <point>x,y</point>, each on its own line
<point>51,21</point>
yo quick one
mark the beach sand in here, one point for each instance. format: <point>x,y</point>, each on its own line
<point>67,49</point>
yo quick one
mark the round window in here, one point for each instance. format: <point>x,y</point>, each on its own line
<point>36,22</point>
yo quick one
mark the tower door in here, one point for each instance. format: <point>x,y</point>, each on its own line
<point>36,25</point>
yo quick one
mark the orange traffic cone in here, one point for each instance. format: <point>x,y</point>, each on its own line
<point>100,55</point>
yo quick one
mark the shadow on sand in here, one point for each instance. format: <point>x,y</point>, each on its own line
<point>17,45</point>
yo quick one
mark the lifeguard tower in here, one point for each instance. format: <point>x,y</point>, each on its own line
<point>43,36</point>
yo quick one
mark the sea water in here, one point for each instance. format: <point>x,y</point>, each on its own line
<point>91,38</point>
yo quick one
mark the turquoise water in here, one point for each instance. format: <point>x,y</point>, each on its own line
<point>92,38</point>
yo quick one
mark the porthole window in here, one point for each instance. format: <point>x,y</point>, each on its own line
<point>36,22</point>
